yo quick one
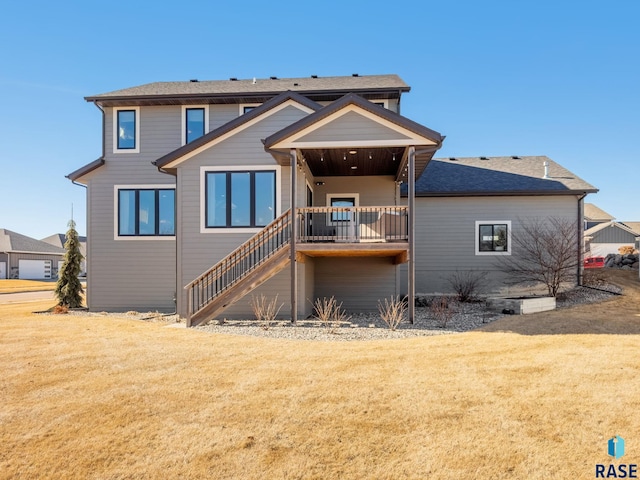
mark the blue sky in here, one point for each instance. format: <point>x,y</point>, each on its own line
<point>548,78</point>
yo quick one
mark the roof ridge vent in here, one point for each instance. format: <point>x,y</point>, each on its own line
<point>515,157</point>
<point>234,79</point>
<point>453,159</point>
<point>484,158</point>
<point>314,76</point>
<point>355,75</point>
<point>194,80</point>
<point>273,78</point>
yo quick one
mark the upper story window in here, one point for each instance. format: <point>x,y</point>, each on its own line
<point>493,237</point>
<point>247,107</point>
<point>382,103</point>
<point>243,198</point>
<point>126,130</point>
<point>195,122</point>
<point>145,212</point>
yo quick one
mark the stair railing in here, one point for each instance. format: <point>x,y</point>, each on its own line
<point>239,263</point>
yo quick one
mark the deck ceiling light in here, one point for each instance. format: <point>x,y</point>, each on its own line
<point>354,167</point>
<point>352,152</point>
<point>344,156</point>
<point>394,157</point>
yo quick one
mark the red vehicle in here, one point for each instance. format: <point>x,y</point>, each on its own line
<point>594,262</point>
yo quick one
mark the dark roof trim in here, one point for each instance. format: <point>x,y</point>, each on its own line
<point>230,96</point>
<point>515,193</point>
<point>90,167</point>
<point>353,99</point>
<point>235,123</point>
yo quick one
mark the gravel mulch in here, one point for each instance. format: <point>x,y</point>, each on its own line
<point>464,317</point>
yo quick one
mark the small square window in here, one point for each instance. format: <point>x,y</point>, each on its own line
<point>493,238</point>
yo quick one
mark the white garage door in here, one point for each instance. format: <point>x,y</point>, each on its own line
<point>34,269</point>
<point>3,269</point>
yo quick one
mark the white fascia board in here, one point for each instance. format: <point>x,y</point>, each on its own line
<point>412,137</point>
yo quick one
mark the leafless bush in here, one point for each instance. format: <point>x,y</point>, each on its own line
<point>467,284</point>
<point>441,309</point>
<point>544,251</point>
<point>60,309</point>
<point>594,277</point>
<point>330,313</point>
<point>265,310</point>
<point>392,311</point>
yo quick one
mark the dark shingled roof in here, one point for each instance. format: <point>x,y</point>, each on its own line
<point>59,239</point>
<point>15,242</point>
<point>260,87</point>
<point>497,176</point>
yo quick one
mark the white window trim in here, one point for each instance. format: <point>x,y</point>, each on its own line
<point>184,120</point>
<point>330,196</point>
<point>236,168</point>
<point>242,105</point>
<point>492,222</point>
<point>115,130</point>
<point>116,220</point>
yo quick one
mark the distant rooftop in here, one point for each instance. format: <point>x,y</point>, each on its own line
<point>513,175</point>
<point>596,214</point>
<point>15,242</point>
<point>256,87</point>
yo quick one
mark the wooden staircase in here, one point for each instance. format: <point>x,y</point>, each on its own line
<point>247,267</point>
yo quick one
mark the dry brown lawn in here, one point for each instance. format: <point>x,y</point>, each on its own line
<point>17,286</point>
<point>109,398</point>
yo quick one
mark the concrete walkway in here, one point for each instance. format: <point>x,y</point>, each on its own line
<point>24,297</point>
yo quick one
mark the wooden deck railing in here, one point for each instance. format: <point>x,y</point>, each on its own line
<point>352,224</point>
<point>239,263</point>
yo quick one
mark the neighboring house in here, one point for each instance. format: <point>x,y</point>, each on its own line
<point>27,258</point>
<point>594,215</point>
<point>195,200</point>
<point>608,237</point>
<point>59,239</point>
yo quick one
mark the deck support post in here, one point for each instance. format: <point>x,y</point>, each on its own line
<point>294,238</point>
<point>411,178</point>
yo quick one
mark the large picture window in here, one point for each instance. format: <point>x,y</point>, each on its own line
<point>146,212</point>
<point>238,199</point>
<point>493,237</point>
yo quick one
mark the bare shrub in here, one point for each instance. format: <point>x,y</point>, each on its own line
<point>594,277</point>
<point>441,309</point>
<point>392,311</point>
<point>330,313</point>
<point>265,310</point>
<point>544,251</point>
<point>467,284</point>
<point>60,309</point>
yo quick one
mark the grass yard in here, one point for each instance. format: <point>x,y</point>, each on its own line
<point>18,286</point>
<point>109,398</point>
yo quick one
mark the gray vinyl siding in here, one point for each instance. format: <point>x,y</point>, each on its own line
<point>446,242</point>
<point>350,127</point>
<point>131,274</point>
<point>3,259</point>
<point>373,191</point>
<point>613,235</point>
<point>200,251</point>
<point>357,282</point>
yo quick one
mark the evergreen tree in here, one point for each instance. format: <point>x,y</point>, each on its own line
<point>68,288</point>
